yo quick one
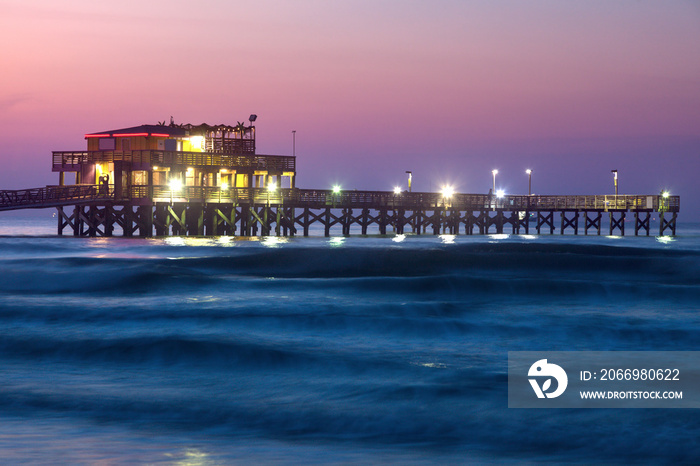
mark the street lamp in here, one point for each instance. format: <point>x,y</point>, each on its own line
<point>410,177</point>
<point>336,189</point>
<point>397,190</point>
<point>494,172</point>
<point>614,172</point>
<point>529,181</point>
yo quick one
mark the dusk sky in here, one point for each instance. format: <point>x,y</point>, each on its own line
<point>449,89</point>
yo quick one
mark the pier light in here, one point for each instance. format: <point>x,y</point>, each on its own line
<point>665,194</point>
<point>494,173</point>
<point>197,142</point>
<point>336,189</point>
<point>447,191</point>
<point>397,189</point>
<point>529,181</point>
<point>500,193</point>
<point>175,184</point>
<point>614,172</point>
<point>272,186</point>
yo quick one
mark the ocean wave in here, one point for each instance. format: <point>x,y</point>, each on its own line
<point>475,270</point>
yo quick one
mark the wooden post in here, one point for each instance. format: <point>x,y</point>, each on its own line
<point>617,223</point>
<point>327,222</point>
<point>641,223</point>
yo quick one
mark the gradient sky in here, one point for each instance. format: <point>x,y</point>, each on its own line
<point>447,89</point>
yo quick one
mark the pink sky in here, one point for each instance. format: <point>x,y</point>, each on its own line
<point>447,89</point>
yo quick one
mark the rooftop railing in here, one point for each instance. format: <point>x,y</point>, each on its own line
<point>72,159</point>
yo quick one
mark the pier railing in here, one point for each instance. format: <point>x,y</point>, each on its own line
<point>70,161</point>
<point>405,200</point>
<point>51,196</point>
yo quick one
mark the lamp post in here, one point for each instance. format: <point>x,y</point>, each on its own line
<point>410,177</point>
<point>614,172</point>
<point>494,172</point>
<point>529,182</point>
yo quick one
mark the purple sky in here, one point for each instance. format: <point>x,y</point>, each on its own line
<point>447,89</point>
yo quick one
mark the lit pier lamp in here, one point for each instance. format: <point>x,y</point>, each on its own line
<point>529,182</point>
<point>175,185</point>
<point>397,190</point>
<point>614,172</point>
<point>336,192</point>
<point>494,173</point>
<point>500,194</point>
<point>664,201</point>
<point>447,193</point>
<point>224,187</point>
<point>271,188</point>
<point>410,178</point>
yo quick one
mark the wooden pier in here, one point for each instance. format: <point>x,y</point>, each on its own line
<point>211,211</point>
<point>208,180</point>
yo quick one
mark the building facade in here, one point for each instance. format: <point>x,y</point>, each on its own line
<point>153,163</point>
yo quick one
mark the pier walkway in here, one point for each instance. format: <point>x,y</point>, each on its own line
<point>211,210</point>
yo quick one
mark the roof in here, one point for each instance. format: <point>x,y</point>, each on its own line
<point>143,130</point>
<point>172,130</point>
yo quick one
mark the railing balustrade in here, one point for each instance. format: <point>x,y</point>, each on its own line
<point>64,195</point>
<point>274,163</point>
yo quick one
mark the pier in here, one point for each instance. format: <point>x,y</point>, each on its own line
<point>210,211</point>
<point>204,180</point>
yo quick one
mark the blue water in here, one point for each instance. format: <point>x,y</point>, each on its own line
<point>328,350</point>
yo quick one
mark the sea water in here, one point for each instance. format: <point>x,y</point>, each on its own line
<point>328,350</point>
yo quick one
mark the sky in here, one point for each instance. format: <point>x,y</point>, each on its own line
<point>448,89</point>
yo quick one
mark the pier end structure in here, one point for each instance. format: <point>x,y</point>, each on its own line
<point>151,162</point>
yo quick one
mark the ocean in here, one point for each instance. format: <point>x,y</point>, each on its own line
<point>392,350</point>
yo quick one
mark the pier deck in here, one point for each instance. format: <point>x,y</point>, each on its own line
<point>212,210</point>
